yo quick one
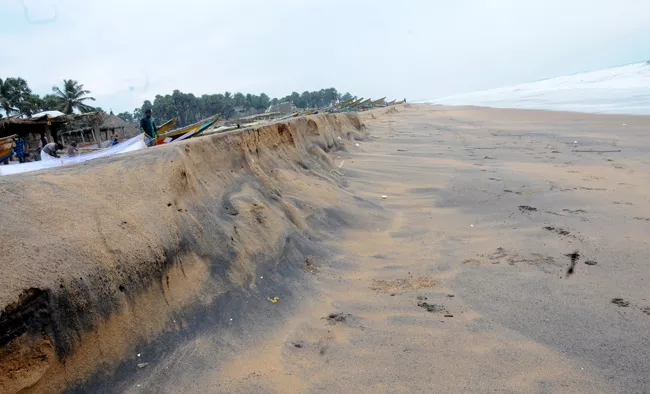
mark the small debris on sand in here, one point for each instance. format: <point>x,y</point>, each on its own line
<point>142,365</point>
<point>557,230</point>
<point>310,266</point>
<point>574,211</point>
<point>620,302</point>
<point>434,308</point>
<point>500,253</point>
<point>527,208</point>
<point>591,262</point>
<point>575,256</point>
<point>334,318</point>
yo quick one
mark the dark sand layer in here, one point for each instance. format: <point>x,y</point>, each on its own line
<point>501,259</point>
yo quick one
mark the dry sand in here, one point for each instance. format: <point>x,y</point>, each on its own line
<point>500,260</point>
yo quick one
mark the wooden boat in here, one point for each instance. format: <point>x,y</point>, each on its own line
<point>6,145</point>
<point>165,127</point>
<point>185,132</point>
<point>361,104</point>
<point>344,104</point>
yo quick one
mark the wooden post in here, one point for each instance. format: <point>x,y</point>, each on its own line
<point>97,133</point>
<point>48,133</point>
<point>123,133</point>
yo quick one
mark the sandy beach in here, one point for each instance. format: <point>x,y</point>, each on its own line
<point>416,248</point>
<point>483,206</point>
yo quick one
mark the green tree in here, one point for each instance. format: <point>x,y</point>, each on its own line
<point>145,106</point>
<point>239,100</point>
<point>125,116</point>
<point>31,104</point>
<point>347,96</point>
<point>73,97</point>
<point>163,108</point>
<point>189,108</point>
<point>264,101</point>
<point>50,102</point>
<point>13,92</point>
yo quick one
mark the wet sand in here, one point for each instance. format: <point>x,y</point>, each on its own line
<point>501,258</point>
<point>464,281</point>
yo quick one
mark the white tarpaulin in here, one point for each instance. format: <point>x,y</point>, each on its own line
<point>129,145</point>
<point>47,114</point>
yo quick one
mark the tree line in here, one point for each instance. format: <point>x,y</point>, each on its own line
<point>16,98</point>
<point>190,108</point>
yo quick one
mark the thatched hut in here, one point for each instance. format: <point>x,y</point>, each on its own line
<point>49,124</point>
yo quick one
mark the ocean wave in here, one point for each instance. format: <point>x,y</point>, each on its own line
<point>616,90</point>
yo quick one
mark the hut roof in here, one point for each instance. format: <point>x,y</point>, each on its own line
<point>37,123</point>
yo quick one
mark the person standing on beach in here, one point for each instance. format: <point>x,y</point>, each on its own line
<point>149,128</point>
<point>20,149</point>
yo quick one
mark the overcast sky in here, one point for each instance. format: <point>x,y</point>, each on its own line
<point>126,51</point>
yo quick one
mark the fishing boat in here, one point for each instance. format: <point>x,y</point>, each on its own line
<point>185,132</point>
<point>165,127</point>
<point>344,104</point>
<point>361,104</point>
<point>6,145</point>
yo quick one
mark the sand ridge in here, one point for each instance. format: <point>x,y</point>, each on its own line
<point>108,255</point>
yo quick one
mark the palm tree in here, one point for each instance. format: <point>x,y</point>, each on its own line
<point>72,97</point>
<point>13,92</point>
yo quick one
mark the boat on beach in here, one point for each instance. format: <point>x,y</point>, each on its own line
<point>185,132</point>
<point>6,147</point>
<point>165,127</point>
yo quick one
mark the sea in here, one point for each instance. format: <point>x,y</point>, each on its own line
<point>616,90</point>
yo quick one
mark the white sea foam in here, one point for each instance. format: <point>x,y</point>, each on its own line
<point>618,90</point>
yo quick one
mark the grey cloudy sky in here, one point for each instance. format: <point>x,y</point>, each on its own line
<point>126,51</point>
